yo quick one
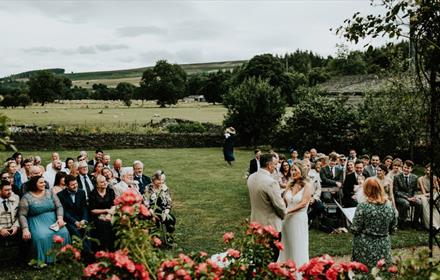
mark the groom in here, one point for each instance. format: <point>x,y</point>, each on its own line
<point>267,206</point>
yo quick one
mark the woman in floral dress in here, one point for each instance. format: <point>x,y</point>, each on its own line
<point>373,222</point>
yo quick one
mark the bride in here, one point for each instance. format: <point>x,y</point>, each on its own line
<point>295,232</point>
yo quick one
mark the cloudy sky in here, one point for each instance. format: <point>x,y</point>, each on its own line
<point>97,35</point>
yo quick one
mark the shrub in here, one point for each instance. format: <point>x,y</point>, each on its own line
<point>192,127</point>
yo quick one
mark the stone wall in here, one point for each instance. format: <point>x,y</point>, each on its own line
<point>53,141</point>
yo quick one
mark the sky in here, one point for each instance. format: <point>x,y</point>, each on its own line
<point>99,35</point>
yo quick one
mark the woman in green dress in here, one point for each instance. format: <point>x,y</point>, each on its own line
<point>373,222</point>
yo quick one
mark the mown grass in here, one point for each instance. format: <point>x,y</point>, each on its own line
<point>211,198</point>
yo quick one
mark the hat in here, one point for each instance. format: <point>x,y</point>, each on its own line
<point>82,163</point>
<point>230,130</point>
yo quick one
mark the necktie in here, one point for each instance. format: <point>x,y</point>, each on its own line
<point>407,181</point>
<point>5,205</point>
<point>87,185</point>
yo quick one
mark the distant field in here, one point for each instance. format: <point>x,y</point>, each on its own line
<point>114,114</point>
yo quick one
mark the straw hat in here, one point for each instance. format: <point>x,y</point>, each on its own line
<point>230,130</point>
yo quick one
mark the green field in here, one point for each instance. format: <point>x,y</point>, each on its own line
<point>113,114</point>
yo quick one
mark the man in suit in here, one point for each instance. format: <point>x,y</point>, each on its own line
<point>370,170</point>
<point>352,155</point>
<point>331,176</point>
<point>75,210</point>
<point>83,179</point>
<point>267,206</point>
<point>74,205</point>
<point>106,161</point>
<point>9,226</point>
<point>254,164</point>
<point>405,188</point>
<point>117,169</point>
<point>351,181</point>
<point>98,156</point>
<point>143,181</point>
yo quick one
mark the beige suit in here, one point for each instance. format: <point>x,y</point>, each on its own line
<point>267,206</point>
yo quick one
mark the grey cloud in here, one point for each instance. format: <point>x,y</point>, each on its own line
<point>179,56</point>
<point>86,50</point>
<point>40,50</point>
<point>111,47</point>
<point>135,31</point>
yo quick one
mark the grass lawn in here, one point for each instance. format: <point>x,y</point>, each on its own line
<point>211,198</point>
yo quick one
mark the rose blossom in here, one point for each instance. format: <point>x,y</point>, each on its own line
<point>58,239</point>
<point>227,237</point>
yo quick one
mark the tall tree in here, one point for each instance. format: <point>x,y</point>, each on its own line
<point>254,109</point>
<point>45,87</point>
<point>216,86</point>
<point>125,92</point>
<point>166,82</point>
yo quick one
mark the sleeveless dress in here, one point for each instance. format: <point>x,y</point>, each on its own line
<point>38,213</point>
<point>295,232</point>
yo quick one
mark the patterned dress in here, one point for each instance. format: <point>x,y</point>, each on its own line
<point>372,224</point>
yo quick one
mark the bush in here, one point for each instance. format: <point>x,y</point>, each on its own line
<point>190,127</point>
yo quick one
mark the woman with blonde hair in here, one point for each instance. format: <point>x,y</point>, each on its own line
<point>373,222</point>
<point>295,232</point>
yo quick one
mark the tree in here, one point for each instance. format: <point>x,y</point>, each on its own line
<point>266,67</point>
<point>9,101</point>
<point>216,86</point>
<point>165,82</point>
<point>195,84</point>
<point>45,87</point>
<point>23,100</point>
<point>102,92</point>
<point>145,91</point>
<point>255,109</point>
<point>324,122</point>
<point>125,92</point>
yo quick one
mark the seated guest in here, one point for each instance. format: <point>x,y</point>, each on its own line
<point>18,157</point>
<point>41,217</point>
<point>34,172</point>
<point>55,157</point>
<point>37,162</point>
<point>68,165</point>
<point>349,169</point>
<point>49,175</point>
<point>397,169</point>
<point>351,185</point>
<point>97,170</point>
<point>117,169</point>
<point>331,176</point>
<point>14,176</point>
<point>75,208</point>
<point>25,170</point>
<point>157,197</point>
<point>254,164</point>
<point>405,188</point>
<point>84,181</point>
<point>388,161</point>
<point>97,158</point>
<point>127,183</point>
<point>74,169</point>
<point>293,157</point>
<point>108,174</point>
<point>370,170</point>
<point>9,226</point>
<point>143,181</point>
<point>106,161</point>
<point>382,171</point>
<point>60,182</point>
<point>285,174</point>
<point>101,213</point>
<point>424,184</point>
<point>373,221</point>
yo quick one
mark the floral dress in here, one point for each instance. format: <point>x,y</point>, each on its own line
<point>159,201</point>
<point>372,224</point>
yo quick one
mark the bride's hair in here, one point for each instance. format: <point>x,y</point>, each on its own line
<point>303,179</point>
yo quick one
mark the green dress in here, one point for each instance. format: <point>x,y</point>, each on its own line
<point>372,224</point>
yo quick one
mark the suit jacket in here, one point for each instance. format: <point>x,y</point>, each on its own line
<point>145,181</point>
<point>369,171</point>
<point>253,166</point>
<point>81,187</point>
<point>267,206</point>
<point>401,189</point>
<point>327,178</point>
<point>74,212</point>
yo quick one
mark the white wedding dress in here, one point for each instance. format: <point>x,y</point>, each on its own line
<point>295,233</point>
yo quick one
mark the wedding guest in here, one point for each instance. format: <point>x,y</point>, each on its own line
<point>75,208</point>
<point>55,157</point>
<point>41,217</point>
<point>25,170</point>
<point>97,158</point>
<point>157,197</point>
<point>293,157</point>
<point>351,185</point>
<point>18,157</point>
<point>14,176</point>
<point>106,161</point>
<point>373,221</point>
<point>60,183</point>
<point>424,184</point>
<point>83,156</point>
<point>143,181</point>
<point>285,174</point>
<point>316,207</point>
<point>388,161</point>
<point>108,174</point>
<point>37,162</point>
<point>74,169</point>
<point>228,145</point>
<point>117,169</point>
<point>306,155</point>
<point>50,173</point>
<point>313,155</point>
<point>68,165</point>
<point>84,181</point>
<point>386,183</point>
<point>349,169</point>
<point>254,164</point>
<point>9,226</point>
<point>331,176</point>
<point>102,210</point>
<point>370,169</point>
<point>35,171</point>
<point>352,155</point>
<point>127,183</point>
<point>397,169</point>
<point>405,188</point>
